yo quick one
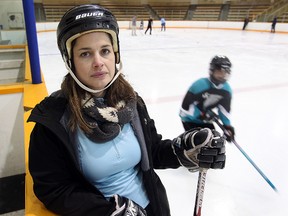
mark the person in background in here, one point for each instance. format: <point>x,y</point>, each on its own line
<point>273,26</point>
<point>163,24</point>
<point>149,26</point>
<point>94,148</point>
<point>134,25</point>
<point>206,94</point>
<point>141,25</point>
<point>246,21</point>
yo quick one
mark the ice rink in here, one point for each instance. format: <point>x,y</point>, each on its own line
<point>162,66</point>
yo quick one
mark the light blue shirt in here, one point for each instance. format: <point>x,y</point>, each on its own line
<point>113,167</point>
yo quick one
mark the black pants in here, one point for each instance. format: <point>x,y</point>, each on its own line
<point>149,27</point>
<point>190,125</point>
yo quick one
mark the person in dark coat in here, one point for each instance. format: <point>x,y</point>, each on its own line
<point>273,26</point>
<point>149,26</point>
<point>94,147</point>
<point>246,21</point>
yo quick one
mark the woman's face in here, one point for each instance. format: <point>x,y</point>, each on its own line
<point>94,59</point>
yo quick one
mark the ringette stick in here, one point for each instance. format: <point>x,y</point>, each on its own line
<point>200,191</point>
<point>215,118</point>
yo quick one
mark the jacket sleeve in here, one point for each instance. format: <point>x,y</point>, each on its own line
<point>160,151</point>
<point>225,109</point>
<point>57,182</point>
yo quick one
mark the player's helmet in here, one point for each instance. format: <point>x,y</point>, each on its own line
<point>84,19</point>
<point>220,62</point>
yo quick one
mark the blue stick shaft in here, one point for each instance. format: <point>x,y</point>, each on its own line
<point>255,166</point>
<point>245,154</point>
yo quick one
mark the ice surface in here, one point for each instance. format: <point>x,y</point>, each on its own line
<point>161,67</point>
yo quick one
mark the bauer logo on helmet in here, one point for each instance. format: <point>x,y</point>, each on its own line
<point>94,14</point>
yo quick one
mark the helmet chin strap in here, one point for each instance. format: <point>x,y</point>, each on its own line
<point>93,90</point>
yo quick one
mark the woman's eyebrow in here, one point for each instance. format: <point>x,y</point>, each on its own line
<point>89,48</point>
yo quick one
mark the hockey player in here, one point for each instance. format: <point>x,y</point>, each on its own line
<point>208,93</point>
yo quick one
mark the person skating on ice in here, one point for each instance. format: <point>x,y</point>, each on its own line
<point>149,26</point>
<point>213,92</point>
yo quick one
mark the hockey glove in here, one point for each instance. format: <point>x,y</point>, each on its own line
<point>126,207</point>
<point>213,155</point>
<point>187,146</point>
<point>231,131</point>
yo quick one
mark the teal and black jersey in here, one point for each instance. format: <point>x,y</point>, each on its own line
<point>203,95</point>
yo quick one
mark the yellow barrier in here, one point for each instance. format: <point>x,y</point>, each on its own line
<point>32,95</point>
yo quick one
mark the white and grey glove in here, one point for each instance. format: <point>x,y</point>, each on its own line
<point>126,207</point>
<point>200,147</point>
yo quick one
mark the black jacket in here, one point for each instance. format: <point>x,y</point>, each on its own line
<point>58,181</point>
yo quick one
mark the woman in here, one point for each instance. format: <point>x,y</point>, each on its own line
<point>94,148</point>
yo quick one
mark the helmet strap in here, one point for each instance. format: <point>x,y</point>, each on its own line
<point>93,91</point>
